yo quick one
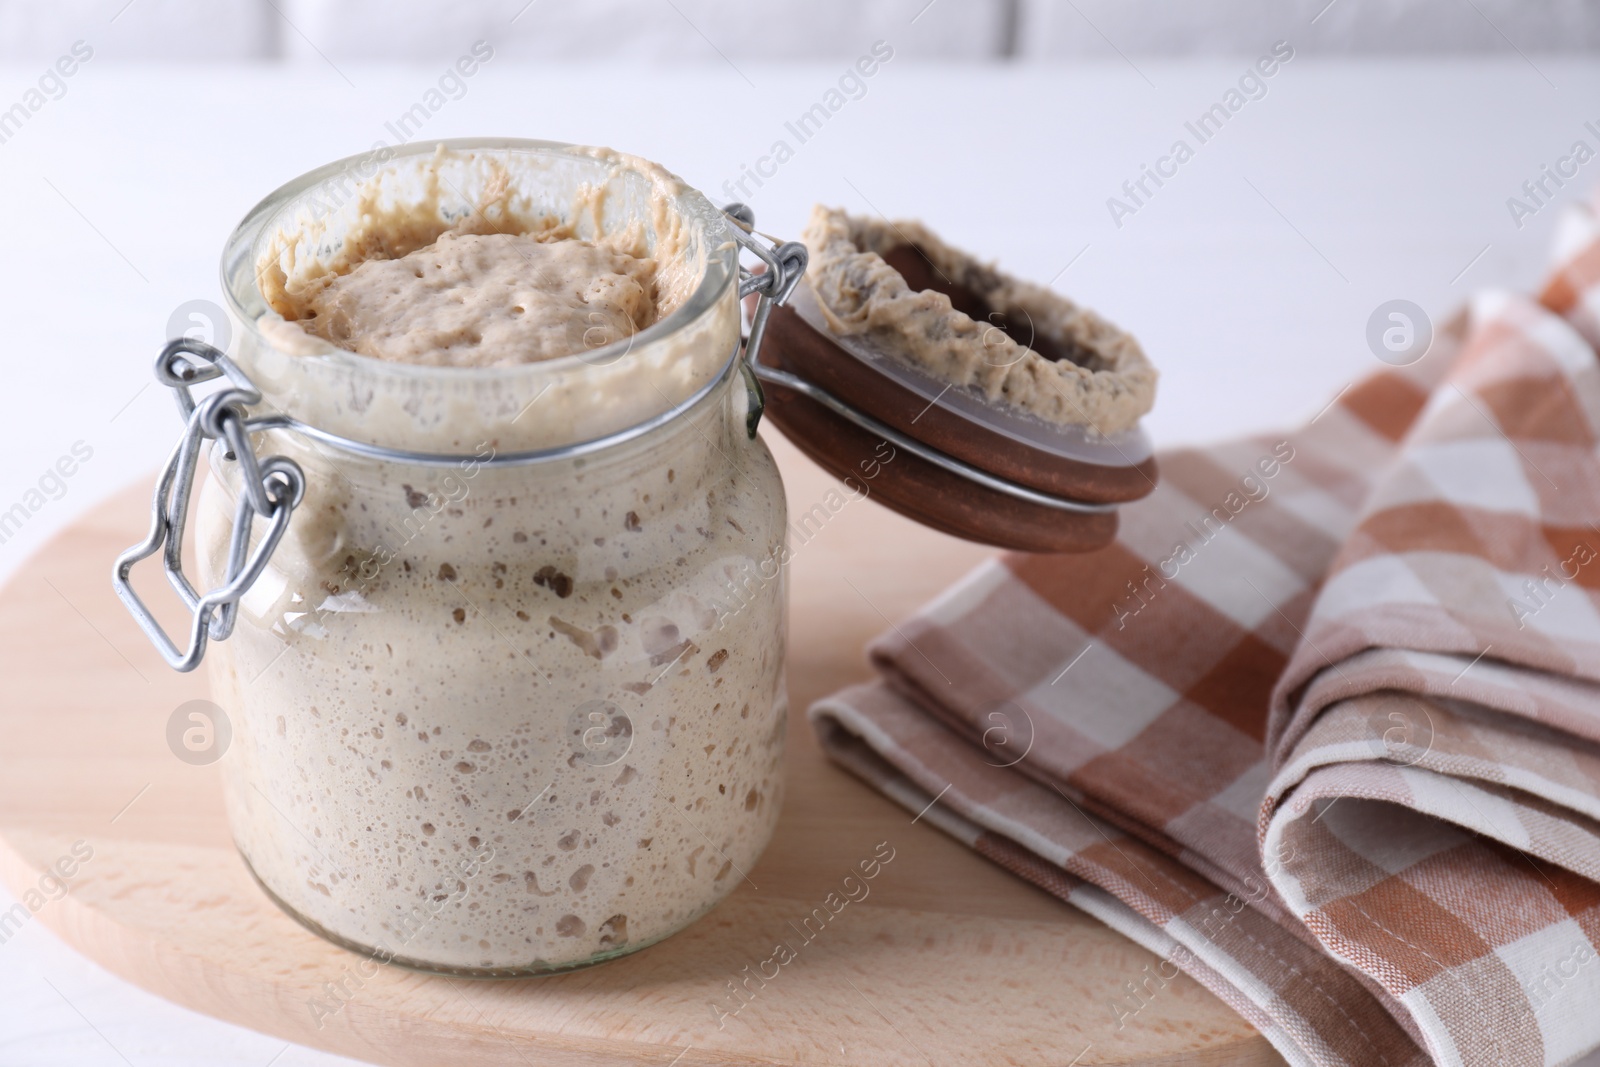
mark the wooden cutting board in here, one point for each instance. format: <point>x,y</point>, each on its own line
<point>949,961</point>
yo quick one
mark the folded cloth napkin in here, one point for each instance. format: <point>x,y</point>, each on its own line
<point>1322,728</point>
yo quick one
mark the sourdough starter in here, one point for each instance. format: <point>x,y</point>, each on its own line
<point>481,300</point>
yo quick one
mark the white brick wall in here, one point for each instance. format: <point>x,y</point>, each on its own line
<point>1057,29</point>
<point>682,30</point>
<point>41,30</point>
<point>748,31</point>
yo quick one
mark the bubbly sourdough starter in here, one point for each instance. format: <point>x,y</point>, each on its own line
<point>499,284</point>
<point>522,721</point>
<point>478,300</point>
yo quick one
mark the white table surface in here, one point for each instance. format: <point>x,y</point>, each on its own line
<point>1249,277</point>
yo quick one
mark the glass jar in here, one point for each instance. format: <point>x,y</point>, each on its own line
<point>508,696</point>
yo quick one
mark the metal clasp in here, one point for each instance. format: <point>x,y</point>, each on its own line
<point>785,262</point>
<point>271,489</point>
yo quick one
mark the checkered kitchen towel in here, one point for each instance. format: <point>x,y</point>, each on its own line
<point>1322,728</point>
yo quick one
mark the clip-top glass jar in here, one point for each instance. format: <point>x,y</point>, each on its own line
<point>507,691</point>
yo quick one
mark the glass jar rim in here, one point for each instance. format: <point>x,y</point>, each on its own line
<point>242,290</point>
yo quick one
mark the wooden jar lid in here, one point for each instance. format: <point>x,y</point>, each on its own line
<point>1067,463</point>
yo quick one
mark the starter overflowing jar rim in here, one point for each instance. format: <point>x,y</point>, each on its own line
<point>316,389</point>
<point>242,291</point>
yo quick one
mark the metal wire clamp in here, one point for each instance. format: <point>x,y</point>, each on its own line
<point>785,264</point>
<point>271,488</point>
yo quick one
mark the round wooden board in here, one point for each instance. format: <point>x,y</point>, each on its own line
<point>949,961</point>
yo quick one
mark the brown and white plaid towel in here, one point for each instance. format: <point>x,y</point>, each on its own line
<point>1323,726</point>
